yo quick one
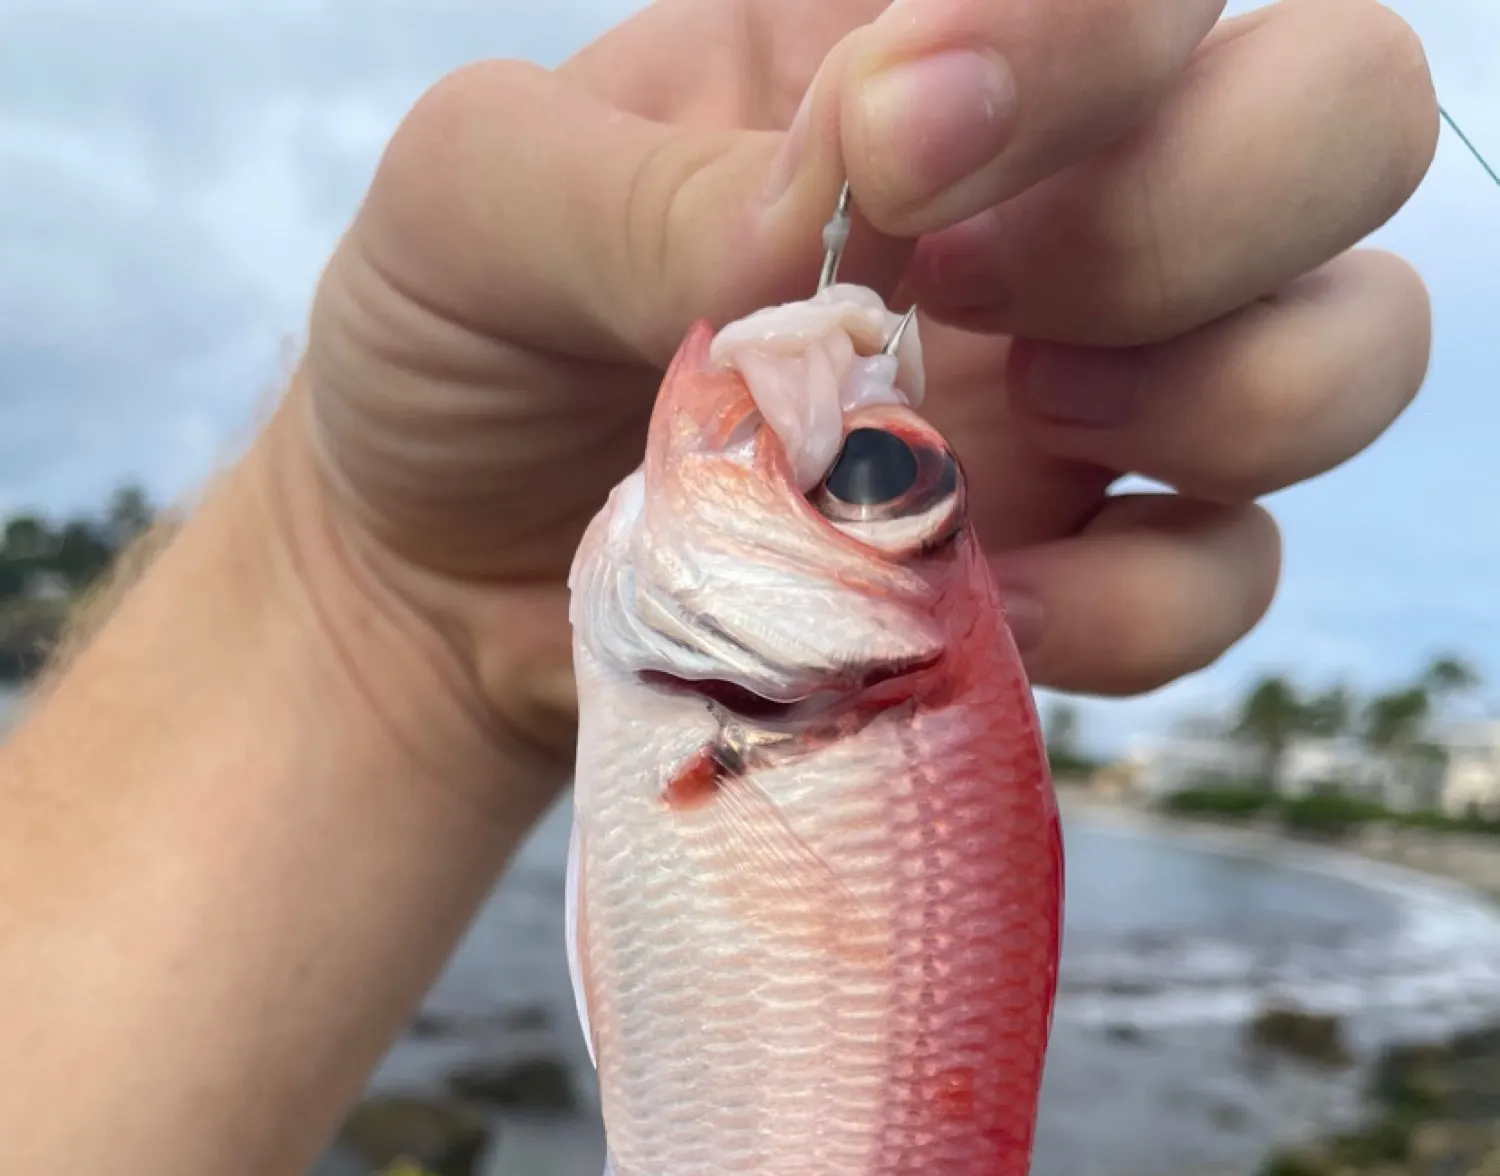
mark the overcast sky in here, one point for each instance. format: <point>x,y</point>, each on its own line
<point>173,174</point>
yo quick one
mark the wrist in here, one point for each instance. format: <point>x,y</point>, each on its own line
<point>280,777</point>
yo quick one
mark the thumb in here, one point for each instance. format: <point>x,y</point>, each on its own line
<point>523,207</point>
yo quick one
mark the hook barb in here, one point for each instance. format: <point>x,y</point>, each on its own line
<point>894,342</point>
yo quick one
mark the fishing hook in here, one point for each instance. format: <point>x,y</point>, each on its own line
<point>835,240</point>
<point>895,340</point>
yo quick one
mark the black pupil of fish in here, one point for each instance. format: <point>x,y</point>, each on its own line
<point>873,467</point>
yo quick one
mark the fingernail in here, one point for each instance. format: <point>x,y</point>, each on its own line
<point>1082,386</point>
<point>934,121</point>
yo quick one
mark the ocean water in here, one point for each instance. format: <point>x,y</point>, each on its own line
<point>1170,944</point>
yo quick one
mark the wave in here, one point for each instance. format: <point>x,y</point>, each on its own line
<point>1441,958</point>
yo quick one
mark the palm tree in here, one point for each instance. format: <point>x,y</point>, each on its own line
<point>1064,750</point>
<point>1396,727</point>
<point>1450,675</point>
<point>1447,679</point>
<point>129,514</point>
<point>1394,722</point>
<point>1330,713</point>
<point>1270,716</point>
<point>1062,729</point>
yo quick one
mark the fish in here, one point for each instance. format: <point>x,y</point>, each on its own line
<point>815,876</point>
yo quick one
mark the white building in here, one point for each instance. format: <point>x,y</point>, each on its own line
<point>1471,781</point>
<point>1348,767</point>
<point>1169,764</point>
<point>1161,767</point>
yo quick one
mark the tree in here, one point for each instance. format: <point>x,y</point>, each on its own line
<point>1062,728</point>
<point>1395,722</point>
<point>1449,675</point>
<point>129,515</point>
<point>1396,727</point>
<point>1270,716</point>
<point>1330,713</point>
<point>1064,752</point>
<point>1447,679</point>
<point>28,538</point>
<point>82,553</point>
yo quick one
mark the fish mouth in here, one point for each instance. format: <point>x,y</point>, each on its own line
<point>741,701</point>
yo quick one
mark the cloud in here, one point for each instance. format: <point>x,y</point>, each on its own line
<point>175,176</point>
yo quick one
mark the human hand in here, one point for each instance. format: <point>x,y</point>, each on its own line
<point>1128,237</point>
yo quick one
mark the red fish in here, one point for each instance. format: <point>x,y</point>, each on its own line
<point>815,887</point>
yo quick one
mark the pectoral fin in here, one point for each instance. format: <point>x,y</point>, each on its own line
<point>773,876</point>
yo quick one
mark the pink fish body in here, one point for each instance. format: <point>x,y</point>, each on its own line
<point>815,886</point>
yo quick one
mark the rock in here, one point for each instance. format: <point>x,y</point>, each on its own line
<point>339,1161</point>
<point>528,1018</point>
<point>1309,1160</point>
<point>1436,1112</point>
<point>432,1023</point>
<point>540,1084</point>
<point>1440,1148</point>
<point>445,1138</point>
<point>1125,1032</point>
<point>426,1025</point>
<point>1309,1037</point>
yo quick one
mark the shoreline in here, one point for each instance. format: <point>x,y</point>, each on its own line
<point>1429,1099</point>
<point>1468,861</point>
<point>1437,970</point>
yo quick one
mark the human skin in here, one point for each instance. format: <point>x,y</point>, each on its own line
<point>248,819</point>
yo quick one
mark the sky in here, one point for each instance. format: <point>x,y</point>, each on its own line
<point>174,173</point>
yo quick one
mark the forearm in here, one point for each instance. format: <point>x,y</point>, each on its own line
<point>238,837</point>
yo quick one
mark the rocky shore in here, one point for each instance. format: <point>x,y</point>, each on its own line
<point>1435,1111</point>
<point>1433,1107</point>
<point>482,1124</point>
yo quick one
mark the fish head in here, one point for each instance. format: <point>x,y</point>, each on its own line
<point>796,530</point>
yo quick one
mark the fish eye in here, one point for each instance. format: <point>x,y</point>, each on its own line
<point>874,467</point>
<point>897,494</point>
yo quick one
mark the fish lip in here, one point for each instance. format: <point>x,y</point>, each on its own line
<point>745,703</point>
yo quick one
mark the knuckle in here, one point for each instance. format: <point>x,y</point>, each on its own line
<point>448,108</point>
<point>663,198</point>
<point>1150,293</point>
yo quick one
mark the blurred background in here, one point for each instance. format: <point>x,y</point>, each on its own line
<point>1283,941</point>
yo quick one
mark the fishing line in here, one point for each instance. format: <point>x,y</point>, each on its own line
<point>1473,150</point>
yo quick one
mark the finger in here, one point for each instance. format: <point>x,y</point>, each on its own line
<point>517,202</point>
<point>1296,132</point>
<point>959,105</point>
<point>1154,588</point>
<point>520,205</point>
<point>754,78</point>
<point>1281,391</point>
